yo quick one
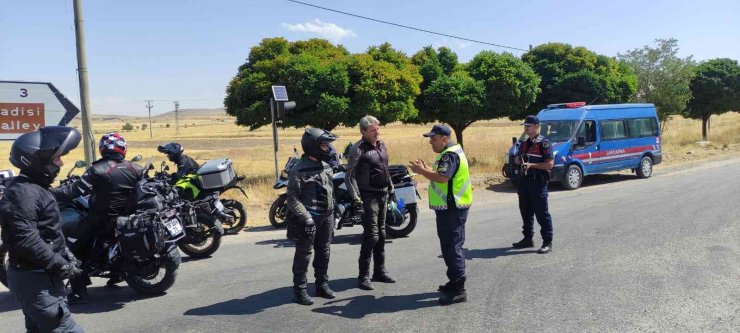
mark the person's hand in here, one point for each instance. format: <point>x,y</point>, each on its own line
<point>527,166</point>
<point>417,166</point>
<point>392,196</point>
<point>310,227</point>
<point>69,270</point>
<point>357,206</point>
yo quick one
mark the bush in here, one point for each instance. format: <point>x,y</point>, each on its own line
<point>127,127</point>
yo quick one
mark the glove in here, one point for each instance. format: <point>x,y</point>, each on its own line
<point>310,227</point>
<point>392,196</point>
<point>357,206</point>
<point>68,271</point>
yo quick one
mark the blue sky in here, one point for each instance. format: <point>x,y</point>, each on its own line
<point>190,49</point>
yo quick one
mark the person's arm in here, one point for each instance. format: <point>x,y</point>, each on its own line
<point>22,224</point>
<point>80,187</point>
<point>546,150</point>
<point>295,185</point>
<point>351,172</point>
<point>421,168</point>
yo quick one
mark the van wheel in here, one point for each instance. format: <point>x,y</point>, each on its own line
<point>573,177</point>
<point>646,167</point>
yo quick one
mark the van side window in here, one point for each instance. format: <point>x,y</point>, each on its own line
<point>588,130</point>
<point>642,127</point>
<point>613,130</point>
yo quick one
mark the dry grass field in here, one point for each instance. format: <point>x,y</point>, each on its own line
<point>213,135</point>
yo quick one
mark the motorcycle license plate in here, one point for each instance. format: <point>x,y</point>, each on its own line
<point>219,205</point>
<point>174,227</point>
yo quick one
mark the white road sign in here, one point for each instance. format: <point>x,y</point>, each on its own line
<point>28,106</point>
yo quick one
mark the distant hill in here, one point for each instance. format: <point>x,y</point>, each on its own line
<point>193,113</point>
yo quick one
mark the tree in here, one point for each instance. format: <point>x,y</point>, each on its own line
<point>318,76</point>
<point>571,74</point>
<point>663,78</point>
<point>128,127</point>
<point>715,90</point>
<point>143,127</point>
<point>490,86</point>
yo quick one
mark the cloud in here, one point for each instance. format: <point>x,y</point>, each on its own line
<point>452,43</point>
<point>327,30</point>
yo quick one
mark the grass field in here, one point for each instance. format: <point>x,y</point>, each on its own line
<point>214,136</point>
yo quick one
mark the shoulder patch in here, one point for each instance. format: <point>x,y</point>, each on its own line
<point>446,157</point>
<point>545,143</point>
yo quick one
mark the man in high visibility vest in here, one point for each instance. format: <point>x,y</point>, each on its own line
<point>450,196</point>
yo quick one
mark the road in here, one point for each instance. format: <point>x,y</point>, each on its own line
<point>660,254</point>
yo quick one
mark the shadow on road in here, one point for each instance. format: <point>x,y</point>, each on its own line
<point>350,239</point>
<point>471,254</point>
<point>260,302</point>
<point>282,242</point>
<point>260,229</point>
<point>102,299</point>
<point>360,306</point>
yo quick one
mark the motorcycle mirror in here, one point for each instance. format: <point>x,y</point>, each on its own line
<point>150,167</point>
<point>136,158</point>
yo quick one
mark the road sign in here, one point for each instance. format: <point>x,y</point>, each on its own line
<point>28,106</point>
<point>279,93</point>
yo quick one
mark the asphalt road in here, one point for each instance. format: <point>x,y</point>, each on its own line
<point>661,254</point>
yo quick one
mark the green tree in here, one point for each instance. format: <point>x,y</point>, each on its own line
<point>329,85</point>
<point>663,78</point>
<point>490,86</point>
<point>715,90</point>
<point>143,127</point>
<point>572,74</point>
<point>127,127</point>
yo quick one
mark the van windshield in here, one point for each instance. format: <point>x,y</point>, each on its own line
<point>558,131</point>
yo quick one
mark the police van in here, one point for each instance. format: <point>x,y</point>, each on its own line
<point>594,139</point>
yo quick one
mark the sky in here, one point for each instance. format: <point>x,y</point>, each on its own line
<point>189,50</point>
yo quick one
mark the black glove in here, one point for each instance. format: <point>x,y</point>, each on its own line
<point>68,271</point>
<point>392,196</point>
<point>310,227</point>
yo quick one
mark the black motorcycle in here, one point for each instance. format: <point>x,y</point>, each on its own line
<point>401,215</point>
<point>142,250</point>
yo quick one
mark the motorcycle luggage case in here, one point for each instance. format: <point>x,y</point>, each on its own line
<point>140,235</point>
<point>216,173</point>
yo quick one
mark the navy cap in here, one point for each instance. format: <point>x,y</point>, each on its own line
<point>531,120</point>
<point>439,129</point>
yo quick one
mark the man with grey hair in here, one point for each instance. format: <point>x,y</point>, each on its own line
<point>369,183</point>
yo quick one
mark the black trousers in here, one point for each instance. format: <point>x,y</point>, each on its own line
<point>533,202</point>
<point>375,206</point>
<point>43,301</point>
<point>320,241</point>
<point>451,233</point>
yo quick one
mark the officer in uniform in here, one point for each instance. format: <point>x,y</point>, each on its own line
<point>536,159</point>
<point>109,181</point>
<point>450,196</point>
<point>311,203</point>
<point>39,258</point>
<point>185,164</point>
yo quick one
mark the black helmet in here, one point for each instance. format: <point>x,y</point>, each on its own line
<point>173,150</point>
<point>34,153</point>
<point>312,140</point>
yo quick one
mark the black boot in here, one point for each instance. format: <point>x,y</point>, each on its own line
<point>446,288</point>
<point>382,276</point>
<point>458,293</point>
<point>323,290</point>
<point>546,247</point>
<point>524,243</point>
<point>300,296</point>
<point>78,296</point>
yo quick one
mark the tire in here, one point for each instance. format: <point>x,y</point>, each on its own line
<point>645,169</point>
<point>278,211</point>
<point>407,227</point>
<point>236,209</point>
<point>143,286</point>
<point>573,177</point>
<point>4,262</point>
<point>204,249</point>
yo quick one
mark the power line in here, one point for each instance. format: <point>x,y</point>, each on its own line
<point>407,27</point>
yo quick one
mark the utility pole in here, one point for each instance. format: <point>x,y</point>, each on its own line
<point>274,137</point>
<point>177,117</point>
<point>87,134</point>
<point>149,106</point>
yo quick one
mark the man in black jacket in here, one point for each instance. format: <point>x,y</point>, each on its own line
<point>39,259</point>
<point>185,164</point>
<point>110,182</point>
<point>369,183</point>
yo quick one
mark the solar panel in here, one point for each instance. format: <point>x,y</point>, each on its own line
<point>279,93</point>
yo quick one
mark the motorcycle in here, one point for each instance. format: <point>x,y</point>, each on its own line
<point>401,216</point>
<point>142,250</point>
<point>233,215</point>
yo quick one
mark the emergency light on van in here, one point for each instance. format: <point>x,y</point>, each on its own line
<point>571,105</point>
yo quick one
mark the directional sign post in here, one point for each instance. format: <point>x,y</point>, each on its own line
<point>28,106</point>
